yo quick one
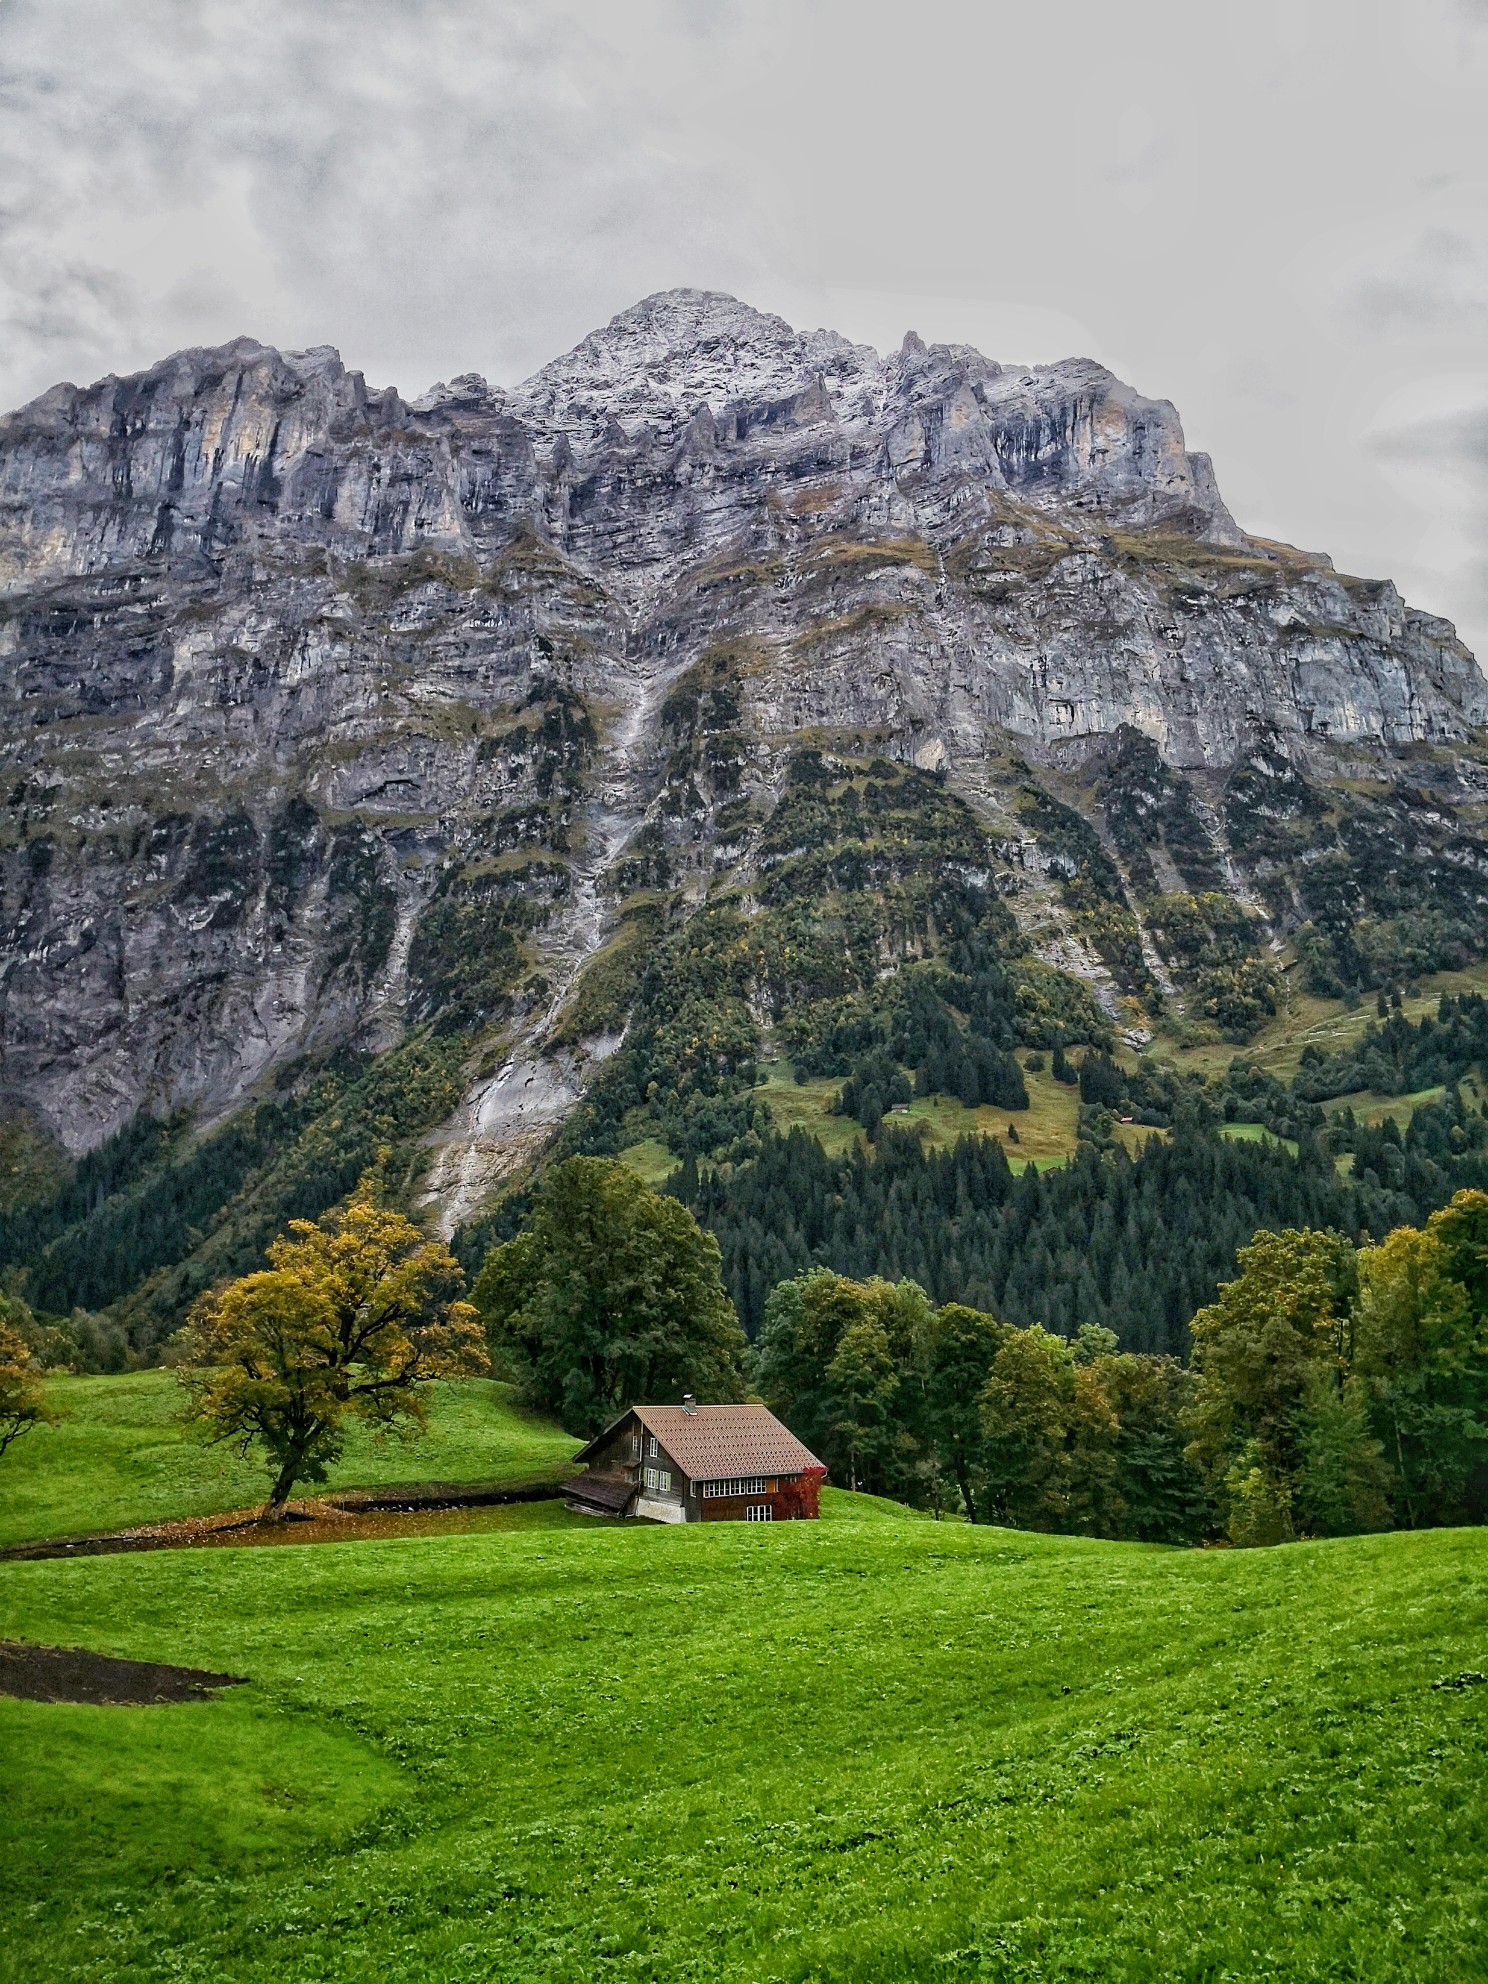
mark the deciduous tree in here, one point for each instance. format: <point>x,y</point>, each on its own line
<point>1342,1484</point>
<point>352,1318</point>
<point>959,1347</point>
<point>1050,1438</point>
<point>22,1401</point>
<point>805,1319</point>
<point>872,1431</point>
<point>1422,1355</point>
<point>1160,1492</point>
<point>1289,1310</point>
<point>611,1296</point>
<point>863,1381</point>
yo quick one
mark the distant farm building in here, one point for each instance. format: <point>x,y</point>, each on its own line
<point>698,1463</point>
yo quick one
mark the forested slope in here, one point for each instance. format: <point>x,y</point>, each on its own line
<point>499,772</point>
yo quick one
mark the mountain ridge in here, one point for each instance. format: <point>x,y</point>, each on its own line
<point>332,715</point>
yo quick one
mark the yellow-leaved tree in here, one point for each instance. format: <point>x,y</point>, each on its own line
<point>352,1318</point>
<point>22,1404</point>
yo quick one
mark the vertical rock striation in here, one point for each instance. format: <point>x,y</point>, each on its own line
<point>326,712</point>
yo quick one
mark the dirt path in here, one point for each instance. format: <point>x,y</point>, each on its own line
<point>71,1674</point>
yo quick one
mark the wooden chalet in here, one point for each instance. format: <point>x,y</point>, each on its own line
<point>698,1463</point>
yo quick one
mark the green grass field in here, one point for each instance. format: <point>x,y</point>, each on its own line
<point>121,1456</point>
<point>807,1104</point>
<point>1046,1129</point>
<point>1372,1108</point>
<point>860,1750</point>
<point>1303,1020</point>
<point>1256,1133</point>
<point>653,1162</point>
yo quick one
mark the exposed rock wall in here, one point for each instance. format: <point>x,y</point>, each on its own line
<point>287,665</point>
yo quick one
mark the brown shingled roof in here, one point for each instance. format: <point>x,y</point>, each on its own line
<point>720,1442</point>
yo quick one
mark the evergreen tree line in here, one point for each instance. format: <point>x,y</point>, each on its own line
<point>139,1202</point>
<point>140,1227</point>
<point>1132,1244</point>
<point>1398,1056</point>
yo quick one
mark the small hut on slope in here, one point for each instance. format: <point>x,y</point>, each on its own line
<point>698,1463</point>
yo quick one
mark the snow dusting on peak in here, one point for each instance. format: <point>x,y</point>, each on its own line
<point>680,320</point>
<point>658,362</point>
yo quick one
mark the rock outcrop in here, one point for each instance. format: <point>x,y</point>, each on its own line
<point>327,711</point>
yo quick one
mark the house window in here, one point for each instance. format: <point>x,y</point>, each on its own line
<point>759,1512</point>
<point>749,1484</point>
<point>651,1448</point>
<point>658,1479</point>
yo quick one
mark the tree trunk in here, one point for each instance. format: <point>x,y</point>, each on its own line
<point>273,1509</point>
<point>963,1482</point>
<point>1410,1514</point>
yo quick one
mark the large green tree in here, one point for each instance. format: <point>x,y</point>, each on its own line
<point>864,1381</point>
<point>610,1296</point>
<point>805,1319</point>
<point>1160,1493</point>
<point>1049,1438</point>
<point>840,1361</point>
<point>1276,1426</point>
<point>1342,1484</point>
<point>959,1346</point>
<point>1421,1354</point>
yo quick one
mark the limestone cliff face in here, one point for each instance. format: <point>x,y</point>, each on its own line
<point>311,693</point>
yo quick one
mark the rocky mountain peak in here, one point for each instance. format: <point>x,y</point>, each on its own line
<point>1067,433</point>
<point>660,360</point>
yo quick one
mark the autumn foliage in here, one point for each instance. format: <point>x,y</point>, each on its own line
<point>352,1318</point>
<point>22,1405</point>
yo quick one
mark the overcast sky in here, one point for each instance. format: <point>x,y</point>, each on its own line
<point>1272,212</point>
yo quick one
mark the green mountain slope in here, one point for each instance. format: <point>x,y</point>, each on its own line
<point>865,983</point>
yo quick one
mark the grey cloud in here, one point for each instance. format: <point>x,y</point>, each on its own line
<point>1448,458</point>
<point>1250,209</point>
<point>1440,284</point>
<point>1451,444</point>
<point>352,173</point>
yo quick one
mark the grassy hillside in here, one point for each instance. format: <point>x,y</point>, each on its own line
<point>121,1456</point>
<point>1048,1130</point>
<point>1303,1020</point>
<point>866,1751</point>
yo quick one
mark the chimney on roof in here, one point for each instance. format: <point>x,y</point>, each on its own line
<point>689,1405</point>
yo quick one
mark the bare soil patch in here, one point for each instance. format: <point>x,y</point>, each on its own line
<point>71,1674</point>
<point>419,1509</point>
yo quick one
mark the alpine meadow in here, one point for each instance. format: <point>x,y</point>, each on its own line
<point>589,960</point>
